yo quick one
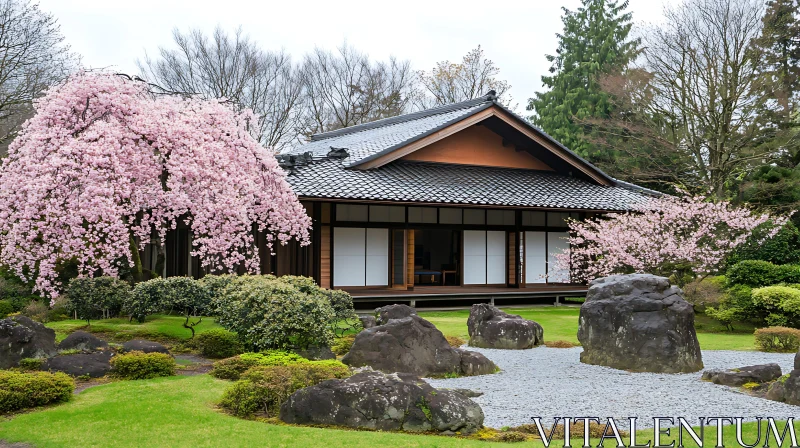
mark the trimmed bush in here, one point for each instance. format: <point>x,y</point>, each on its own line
<point>777,339</point>
<point>268,313</point>
<point>20,390</point>
<point>95,298</point>
<point>709,291</point>
<point>757,273</point>
<point>6,308</point>
<point>455,341</point>
<point>772,298</point>
<point>31,364</point>
<point>343,344</point>
<point>264,388</point>
<point>140,366</point>
<point>147,298</point>
<point>783,248</point>
<point>232,368</point>
<point>187,295</point>
<point>341,301</point>
<point>218,343</point>
<point>215,286</point>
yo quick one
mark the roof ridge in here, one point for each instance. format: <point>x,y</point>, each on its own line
<point>405,117</point>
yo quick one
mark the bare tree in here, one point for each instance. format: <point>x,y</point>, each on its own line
<point>450,82</point>
<point>233,66</point>
<point>33,57</point>
<point>344,88</point>
<point>706,91</point>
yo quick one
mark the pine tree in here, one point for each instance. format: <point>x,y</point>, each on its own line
<point>595,40</point>
<point>780,55</point>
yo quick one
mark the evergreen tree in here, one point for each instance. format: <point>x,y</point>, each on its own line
<point>779,45</point>
<point>595,39</point>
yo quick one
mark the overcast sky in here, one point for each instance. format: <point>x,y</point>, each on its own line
<point>516,35</point>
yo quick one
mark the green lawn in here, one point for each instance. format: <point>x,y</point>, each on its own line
<point>160,327</point>
<point>561,323</point>
<point>179,411</point>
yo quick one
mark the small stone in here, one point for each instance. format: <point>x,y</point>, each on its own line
<point>749,374</point>
<point>489,327</point>
<point>81,340</point>
<point>94,365</point>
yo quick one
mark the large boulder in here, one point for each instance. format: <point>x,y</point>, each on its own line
<point>763,373</point>
<point>81,340</point>
<point>93,365</point>
<point>413,345</point>
<point>141,345</point>
<point>786,388</point>
<point>368,321</point>
<point>21,337</point>
<point>797,361</point>
<point>491,328</point>
<point>386,402</point>
<point>638,322</point>
<point>386,313</point>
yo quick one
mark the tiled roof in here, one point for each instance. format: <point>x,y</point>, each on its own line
<point>408,181</point>
<point>372,138</point>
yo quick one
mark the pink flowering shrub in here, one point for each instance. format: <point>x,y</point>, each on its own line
<point>665,236</point>
<point>104,160</point>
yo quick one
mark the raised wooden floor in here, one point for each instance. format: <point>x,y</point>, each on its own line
<point>465,292</point>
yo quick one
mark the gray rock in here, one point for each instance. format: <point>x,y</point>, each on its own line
<point>469,393</point>
<point>368,321</point>
<point>140,345</point>
<point>638,322</point>
<point>797,361</point>
<point>763,373</point>
<point>81,340</point>
<point>413,345</point>
<point>474,363</point>
<point>21,337</point>
<point>386,313</point>
<point>377,401</point>
<point>786,389</point>
<point>491,328</point>
<point>94,365</point>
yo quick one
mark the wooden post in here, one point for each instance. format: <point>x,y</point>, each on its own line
<point>557,302</point>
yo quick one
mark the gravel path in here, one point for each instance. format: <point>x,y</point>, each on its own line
<point>548,382</point>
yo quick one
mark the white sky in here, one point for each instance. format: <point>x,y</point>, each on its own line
<point>515,35</point>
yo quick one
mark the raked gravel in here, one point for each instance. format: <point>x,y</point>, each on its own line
<point>549,382</point>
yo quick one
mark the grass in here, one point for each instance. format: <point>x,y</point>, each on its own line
<point>159,327</point>
<point>561,323</point>
<point>179,411</point>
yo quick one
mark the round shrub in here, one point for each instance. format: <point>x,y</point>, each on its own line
<point>753,273</point>
<point>343,344</point>
<point>20,390</point>
<point>264,388</point>
<point>218,343</point>
<point>777,339</point>
<point>186,295</point>
<point>232,368</point>
<point>268,313</point>
<point>94,298</point>
<point>147,298</point>
<point>140,366</point>
<point>6,308</point>
<point>772,298</point>
<point>215,286</point>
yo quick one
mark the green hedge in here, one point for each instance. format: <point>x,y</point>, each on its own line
<point>264,388</point>
<point>757,273</point>
<point>218,343</point>
<point>778,339</point>
<point>140,366</point>
<point>232,368</point>
<point>20,390</point>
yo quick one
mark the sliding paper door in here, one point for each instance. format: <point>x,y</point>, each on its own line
<point>556,243</point>
<point>360,257</point>
<point>535,257</point>
<point>496,258</point>
<point>349,263</point>
<point>474,257</point>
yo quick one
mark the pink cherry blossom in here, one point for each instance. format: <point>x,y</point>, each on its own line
<point>104,159</point>
<point>663,235</point>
